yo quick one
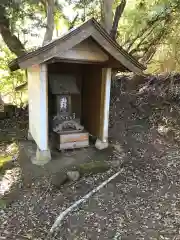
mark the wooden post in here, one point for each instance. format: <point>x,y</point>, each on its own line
<point>38,111</point>
<point>104,112</point>
<point>107,82</point>
<point>43,107</point>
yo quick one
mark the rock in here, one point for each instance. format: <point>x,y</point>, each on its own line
<point>73,175</point>
<point>116,163</point>
<point>59,179</point>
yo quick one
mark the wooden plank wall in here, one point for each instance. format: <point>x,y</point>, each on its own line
<point>91,99</point>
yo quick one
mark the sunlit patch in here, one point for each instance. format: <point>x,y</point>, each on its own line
<point>8,153</point>
<point>12,149</point>
<point>163,129</point>
<point>4,160</point>
<point>9,178</point>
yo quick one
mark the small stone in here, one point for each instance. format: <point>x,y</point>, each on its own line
<point>59,179</point>
<point>116,163</point>
<point>73,175</point>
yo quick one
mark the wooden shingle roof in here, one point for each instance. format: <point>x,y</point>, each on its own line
<point>90,28</point>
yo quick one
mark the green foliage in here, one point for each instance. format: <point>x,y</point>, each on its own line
<point>25,19</point>
<point>86,9</point>
<point>10,80</point>
<point>147,27</point>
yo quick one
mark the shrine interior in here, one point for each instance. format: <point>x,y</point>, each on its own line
<point>74,103</point>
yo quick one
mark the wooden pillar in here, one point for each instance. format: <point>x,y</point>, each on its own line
<point>102,142</point>
<point>38,111</point>
<point>43,107</point>
<point>106,81</point>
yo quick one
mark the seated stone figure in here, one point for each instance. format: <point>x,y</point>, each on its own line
<point>68,125</point>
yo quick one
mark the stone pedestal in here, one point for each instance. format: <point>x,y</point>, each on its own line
<point>29,137</point>
<point>42,157</point>
<point>101,145</point>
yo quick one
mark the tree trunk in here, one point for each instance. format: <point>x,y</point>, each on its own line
<point>50,22</point>
<point>107,15</point>
<point>119,11</point>
<point>13,42</point>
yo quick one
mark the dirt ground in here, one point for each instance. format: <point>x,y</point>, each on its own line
<point>143,202</point>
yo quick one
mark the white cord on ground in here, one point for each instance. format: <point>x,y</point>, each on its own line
<point>59,219</point>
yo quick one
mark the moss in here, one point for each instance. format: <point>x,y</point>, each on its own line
<point>93,167</point>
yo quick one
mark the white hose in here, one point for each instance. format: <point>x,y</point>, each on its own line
<point>59,219</point>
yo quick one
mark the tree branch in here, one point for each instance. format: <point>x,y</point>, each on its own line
<point>150,23</point>
<point>150,49</point>
<point>13,42</point>
<point>119,11</point>
<point>73,22</point>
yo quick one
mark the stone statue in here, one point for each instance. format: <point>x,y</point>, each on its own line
<point>68,125</point>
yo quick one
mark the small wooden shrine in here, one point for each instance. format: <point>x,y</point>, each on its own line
<point>69,82</point>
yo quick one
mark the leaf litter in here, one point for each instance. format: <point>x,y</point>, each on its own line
<point>142,203</point>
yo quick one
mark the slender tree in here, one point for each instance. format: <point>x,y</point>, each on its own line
<point>118,13</point>
<point>50,21</point>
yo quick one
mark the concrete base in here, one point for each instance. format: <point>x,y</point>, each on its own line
<point>42,157</point>
<point>29,137</point>
<point>85,160</point>
<point>101,145</point>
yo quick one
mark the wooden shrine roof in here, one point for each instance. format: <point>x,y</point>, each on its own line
<point>89,29</point>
